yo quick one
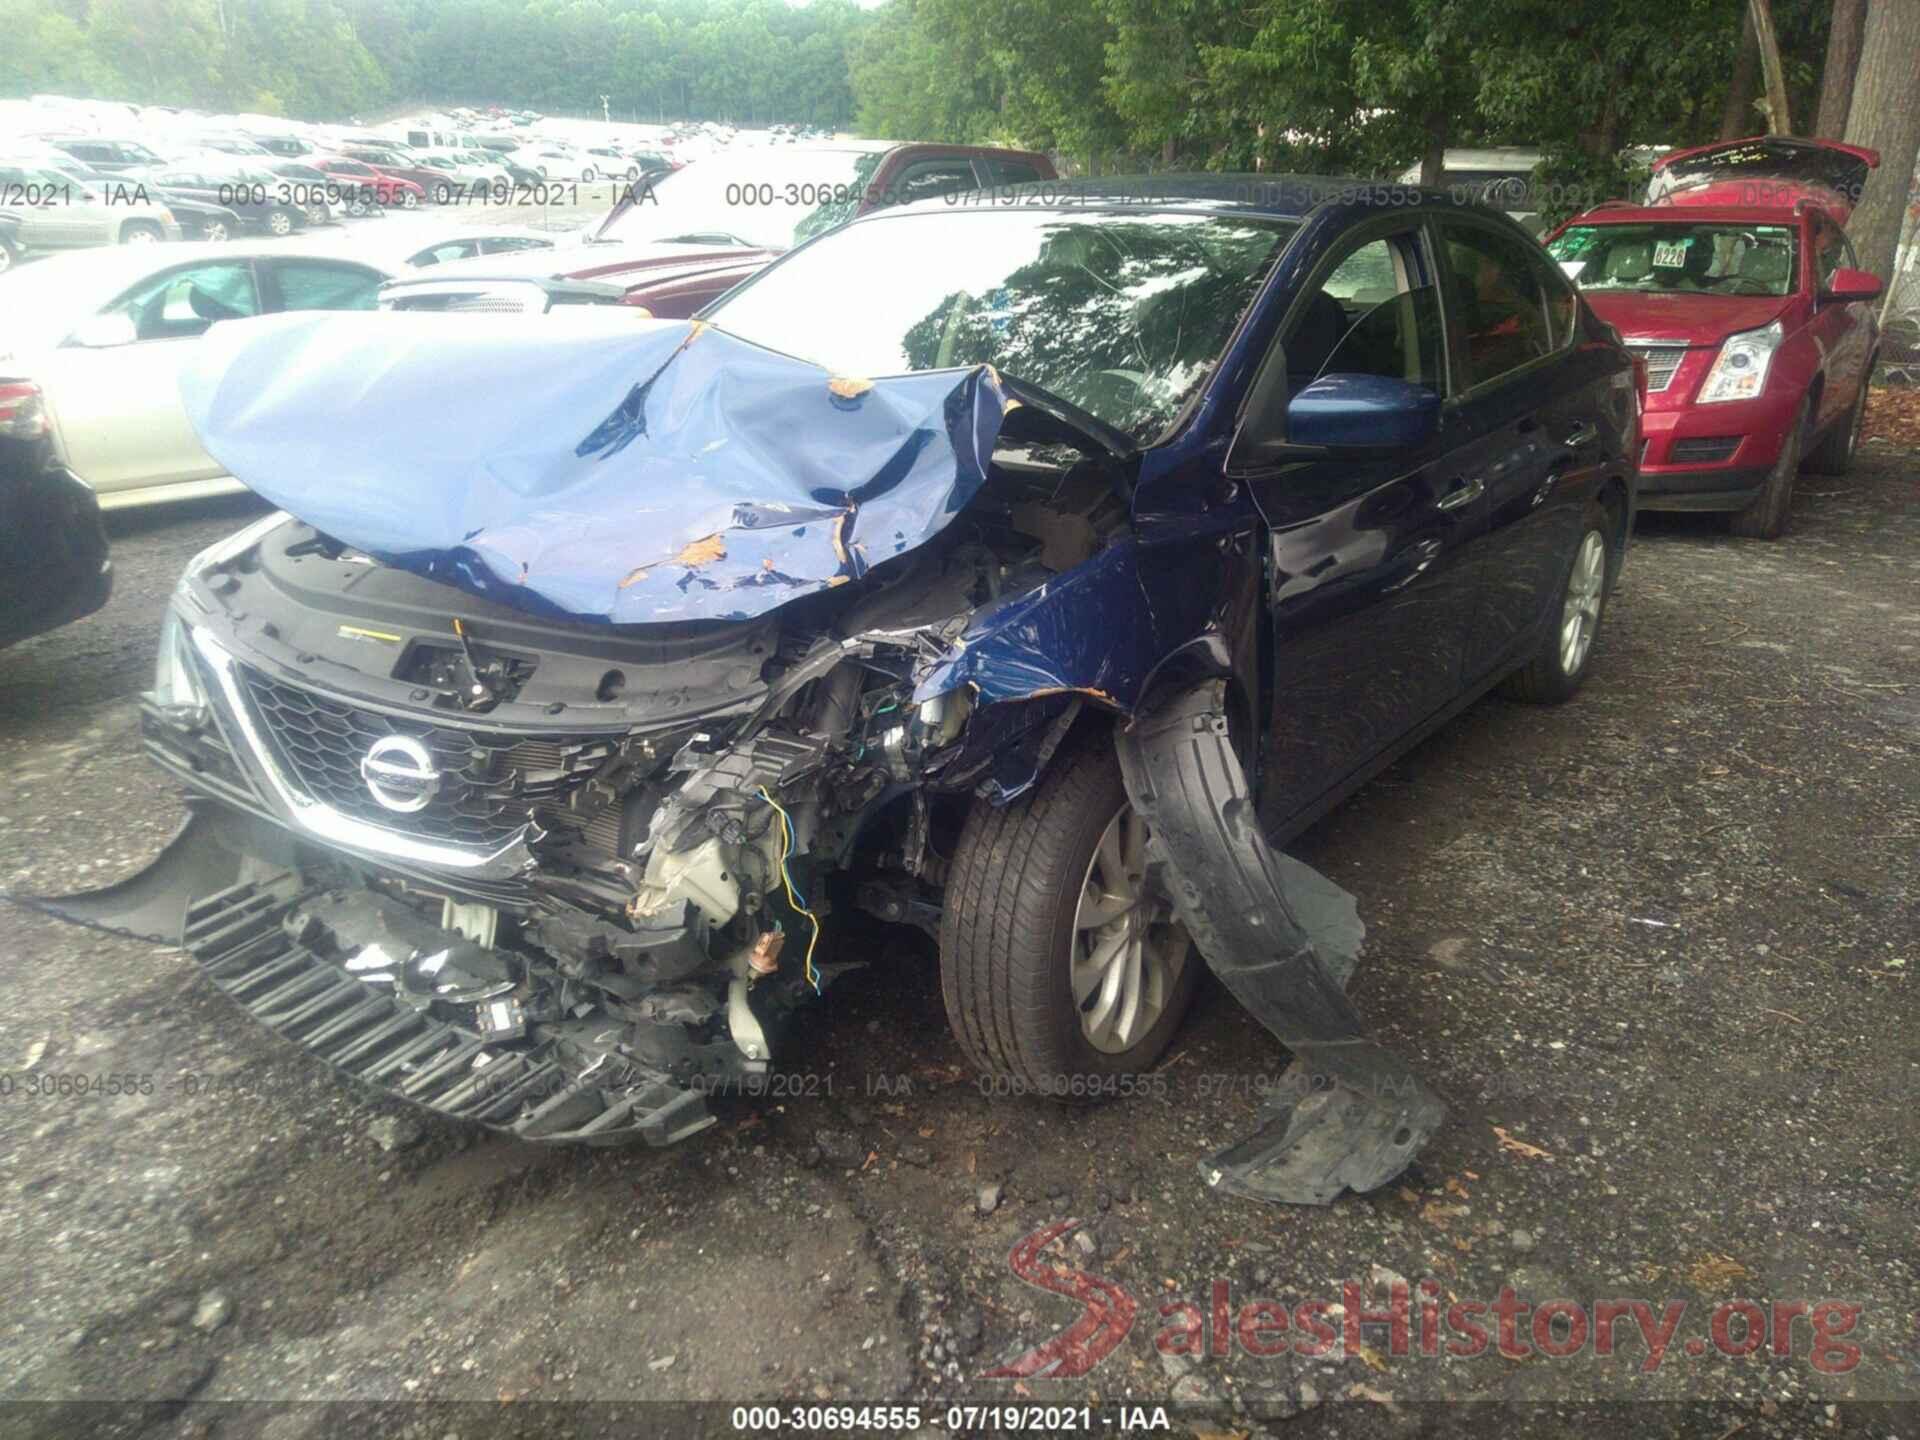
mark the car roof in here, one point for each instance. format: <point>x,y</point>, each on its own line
<point>1275,197</point>
<point>109,266</point>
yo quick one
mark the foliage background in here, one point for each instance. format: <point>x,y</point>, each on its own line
<point>1336,86</point>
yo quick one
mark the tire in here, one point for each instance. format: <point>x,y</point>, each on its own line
<point>586,176</point>
<point>1766,517</point>
<point>1008,936</point>
<point>280,221</point>
<point>1834,454</point>
<point>409,200</point>
<point>140,232</point>
<point>9,257</point>
<point>1561,665</point>
<point>215,231</point>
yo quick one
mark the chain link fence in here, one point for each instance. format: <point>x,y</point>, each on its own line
<point>1900,320</point>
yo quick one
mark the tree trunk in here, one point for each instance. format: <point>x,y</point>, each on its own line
<point>1736,118</point>
<point>1778,121</point>
<point>1885,116</point>
<point>1843,58</point>
<point>1433,156</point>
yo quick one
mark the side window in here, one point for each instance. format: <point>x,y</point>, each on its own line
<point>928,180</point>
<point>1012,172</point>
<point>505,244</point>
<point>317,285</point>
<point>1829,249</point>
<point>434,255</point>
<point>187,302</point>
<point>1371,316</point>
<point>1500,300</point>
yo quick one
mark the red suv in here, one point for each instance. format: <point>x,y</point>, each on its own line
<point>1738,290</point>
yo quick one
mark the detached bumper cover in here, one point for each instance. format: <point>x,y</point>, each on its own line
<point>1284,939</point>
<point>297,941</point>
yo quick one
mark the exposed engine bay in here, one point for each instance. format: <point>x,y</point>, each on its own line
<point>644,824</point>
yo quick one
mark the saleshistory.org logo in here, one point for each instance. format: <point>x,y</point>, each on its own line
<point>1414,1319</point>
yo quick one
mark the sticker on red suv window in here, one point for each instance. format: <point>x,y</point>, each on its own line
<point>1670,254</point>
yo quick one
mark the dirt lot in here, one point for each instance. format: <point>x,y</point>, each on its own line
<point>1657,948</point>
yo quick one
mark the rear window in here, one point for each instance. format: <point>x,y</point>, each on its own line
<point>1774,158</point>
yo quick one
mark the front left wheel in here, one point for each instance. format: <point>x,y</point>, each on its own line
<point>1062,966</point>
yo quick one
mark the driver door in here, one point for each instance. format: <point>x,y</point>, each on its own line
<point>1372,585</point>
<point>117,395</point>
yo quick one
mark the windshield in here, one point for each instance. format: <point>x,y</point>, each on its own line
<point>1681,259</point>
<point>768,200</point>
<point>1122,315</point>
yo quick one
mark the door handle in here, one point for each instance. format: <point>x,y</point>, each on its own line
<point>1464,492</point>
<point>1585,433</point>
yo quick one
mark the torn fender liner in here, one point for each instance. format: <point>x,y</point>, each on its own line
<point>616,470</point>
<point>1283,939</point>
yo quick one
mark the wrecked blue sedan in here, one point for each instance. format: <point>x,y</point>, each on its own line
<point>1025,572</point>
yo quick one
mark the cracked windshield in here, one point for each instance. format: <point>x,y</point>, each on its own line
<point>1121,315</point>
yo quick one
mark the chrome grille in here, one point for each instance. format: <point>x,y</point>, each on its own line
<point>490,782</point>
<point>1661,361</point>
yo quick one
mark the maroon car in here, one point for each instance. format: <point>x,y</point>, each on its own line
<point>362,187</point>
<point>673,243</point>
<point>1738,289</point>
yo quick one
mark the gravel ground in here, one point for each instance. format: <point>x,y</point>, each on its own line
<point>1656,947</point>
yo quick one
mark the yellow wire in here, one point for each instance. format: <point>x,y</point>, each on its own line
<point>786,849</point>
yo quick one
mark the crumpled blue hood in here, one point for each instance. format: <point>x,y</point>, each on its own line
<point>594,466</point>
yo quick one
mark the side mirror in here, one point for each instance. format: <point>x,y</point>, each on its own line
<point>105,332</point>
<point>1372,412</point>
<point>1848,285</point>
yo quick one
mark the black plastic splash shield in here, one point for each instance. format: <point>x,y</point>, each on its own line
<point>1284,940</point>
<point>260,944</point>
<point>273,931</point>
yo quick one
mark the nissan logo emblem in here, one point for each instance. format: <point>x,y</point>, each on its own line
<point>400,774</point>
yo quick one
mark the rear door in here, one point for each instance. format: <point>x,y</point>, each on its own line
<point>1371,585</point>
<point>121,421</point>
<point>1536,443</point>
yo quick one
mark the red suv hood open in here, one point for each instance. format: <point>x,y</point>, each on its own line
<point>1771,171</point>
<point>1683,319</point>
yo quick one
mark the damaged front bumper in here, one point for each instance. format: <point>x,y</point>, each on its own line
<point>323,955</point>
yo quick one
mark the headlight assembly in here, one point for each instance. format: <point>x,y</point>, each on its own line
<point>176,681</point>
<point>1740,370</point>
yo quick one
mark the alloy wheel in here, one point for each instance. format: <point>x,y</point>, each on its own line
<point>216,231</point>
<point>1128,950</point>
<point>280,223</point>
<point>1580,617</point>
<point>6,259</point>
